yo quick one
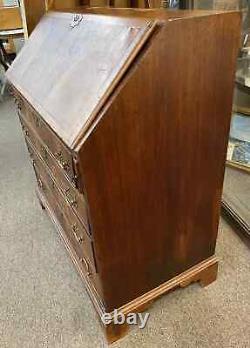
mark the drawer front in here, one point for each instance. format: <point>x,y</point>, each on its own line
<point>72,226</point>
<point>61,153</point>
<point>75,199</point>
<point>29,134</point>
<point>78,236</point>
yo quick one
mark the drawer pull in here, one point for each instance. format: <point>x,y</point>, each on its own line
<point>25,131</point>
<point>70,198</point>
<point>44,153</point>
<point>33,163</point>
<point>37,121</point>
<point>18,103</point>
<point>74,181</point>
<point>77,237</point>
<point>62,161</point>
<point>83,261</point>
<point>30,152</point>
<point>40,183</point>
<point>53,185</point>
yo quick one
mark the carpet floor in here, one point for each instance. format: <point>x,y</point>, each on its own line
<point>43,302</point>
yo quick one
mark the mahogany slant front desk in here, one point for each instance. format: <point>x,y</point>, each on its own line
<point>126,116</point>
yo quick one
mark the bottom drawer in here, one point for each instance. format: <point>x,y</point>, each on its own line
<point>82,262</point>
<point>78,238</point>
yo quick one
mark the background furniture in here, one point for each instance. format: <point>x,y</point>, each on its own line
<point>236,202</point>
<point>236,197</point>
<point>33,10</point>
<point>11,27</point>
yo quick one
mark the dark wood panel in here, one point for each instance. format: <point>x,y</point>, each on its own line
<point>154,164</point>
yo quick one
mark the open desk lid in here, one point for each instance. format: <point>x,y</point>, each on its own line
<point>71,64</point>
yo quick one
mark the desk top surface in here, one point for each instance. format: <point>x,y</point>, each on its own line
<point>70,64</point>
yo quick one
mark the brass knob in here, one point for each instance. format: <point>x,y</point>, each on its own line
<point>77,237</point>
<point>65,165</point>
<point>61,160</point>
<point>70,198</point>
<point>31,152</point>
<point>44,153</point>
<point>58,154</point>
<point>18,103</point>
<point>37,121</point>
<point>82,260</point>
<point>40,183</point>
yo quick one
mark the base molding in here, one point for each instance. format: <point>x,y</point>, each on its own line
<point>204,272</point>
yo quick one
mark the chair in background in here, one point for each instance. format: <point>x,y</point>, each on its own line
<point>11,27</point>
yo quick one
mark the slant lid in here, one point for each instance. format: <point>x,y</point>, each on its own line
<point>71,64</point>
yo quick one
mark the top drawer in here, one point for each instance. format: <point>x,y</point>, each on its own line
<point>54,144</point>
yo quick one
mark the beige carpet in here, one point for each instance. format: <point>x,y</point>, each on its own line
<point>43,302</point>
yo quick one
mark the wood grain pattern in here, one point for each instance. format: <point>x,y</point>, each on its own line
<point>153,166</point>
<point>77,70</point>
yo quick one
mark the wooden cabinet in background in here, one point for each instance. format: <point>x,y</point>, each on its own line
<point>126,116</point>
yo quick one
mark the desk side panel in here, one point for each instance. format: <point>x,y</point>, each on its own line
<point>153,166</point>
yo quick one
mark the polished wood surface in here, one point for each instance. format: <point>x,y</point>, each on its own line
<point>154,164</point>
<point>71,65</point>
<point>128,140</point>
